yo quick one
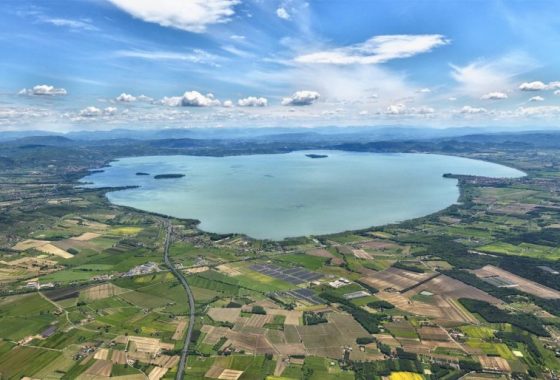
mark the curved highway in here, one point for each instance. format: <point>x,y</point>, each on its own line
<point>183,281</point>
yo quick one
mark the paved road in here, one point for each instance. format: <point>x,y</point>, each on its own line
<point>183,280</point>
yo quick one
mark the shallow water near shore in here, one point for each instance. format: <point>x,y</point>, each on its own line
<point>274,196</point>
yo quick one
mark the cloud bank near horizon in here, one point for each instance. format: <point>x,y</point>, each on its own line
<point>243,62</point>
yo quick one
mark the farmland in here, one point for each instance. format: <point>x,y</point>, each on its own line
<point>84,291</point>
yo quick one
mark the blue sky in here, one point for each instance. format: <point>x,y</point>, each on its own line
<point>85,64</point>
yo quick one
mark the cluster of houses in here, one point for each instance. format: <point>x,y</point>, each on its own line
<point>34,284</point>
<point>147,268</point>
<point>138,270</point>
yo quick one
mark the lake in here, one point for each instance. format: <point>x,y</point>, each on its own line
<point>274,196</point>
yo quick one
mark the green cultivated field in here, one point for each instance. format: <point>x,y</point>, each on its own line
<point>492,218</point>
<point>303,260</point>
<point>29,361</point>
<point>523,249</point>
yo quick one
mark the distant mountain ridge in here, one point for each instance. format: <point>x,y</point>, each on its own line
<point>298,141</point>
<point>275,134</point>
<point>276,140</point>
<point>61,151</point>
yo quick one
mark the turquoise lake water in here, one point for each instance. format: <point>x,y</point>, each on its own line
<point>274,196</point>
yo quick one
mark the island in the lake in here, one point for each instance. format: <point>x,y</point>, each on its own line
<point>312,155</point>
<point>247,184</point>
<point>488,223</point>
<point>167,176</point>
<point>142,173</point>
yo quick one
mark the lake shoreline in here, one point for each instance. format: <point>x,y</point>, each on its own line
<point>384,220</point>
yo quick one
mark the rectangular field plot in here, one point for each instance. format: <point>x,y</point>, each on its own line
<point>397,279</point>
<point>499,282</point>
<point>305,295</point>
<point>326,339</point>
<point>29,361</point>
<point>294,276</point>
<point>501,278</point>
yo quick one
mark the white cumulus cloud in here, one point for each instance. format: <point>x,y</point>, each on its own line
<point>192,15</point>
<point>395,109</point>
<point>171,101</point>
<point>91,111</point>
<point>227,104</point>
<point>282,13</point>
<point>253,101</point>
<point>190,99</point>
<point>536,99</point>
<point>401,109</point>
<point>532,86</point>
<point>43,89</point>
<point>495,95</point>
<point>110,111</point>
<point>301,98</point>
<point>539,86</point>
<point>377,49</point>
<point>126,98</point>
<point>196,99</point>
<point>472,110</point>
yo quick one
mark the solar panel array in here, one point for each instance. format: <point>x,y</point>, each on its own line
<point>295,275</point>
<point>499,282</point>
<point>305,295</point>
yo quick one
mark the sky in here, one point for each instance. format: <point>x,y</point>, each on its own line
<point>102,64</point>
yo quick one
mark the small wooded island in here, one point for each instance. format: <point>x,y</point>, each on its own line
<point>142,173</point>
<point>312,155</point>
<point>167,176</point>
